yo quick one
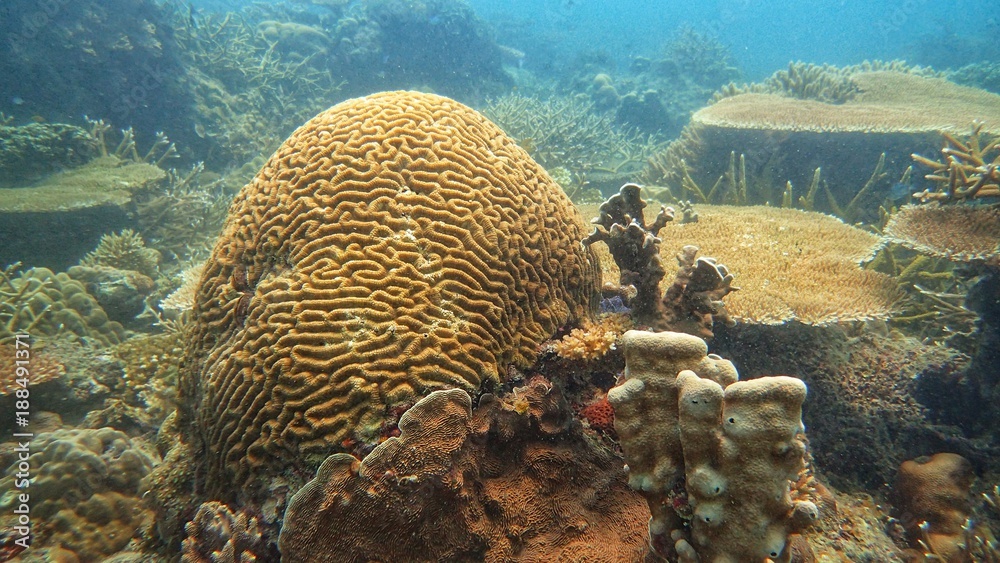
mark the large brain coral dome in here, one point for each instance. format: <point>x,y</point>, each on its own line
<point>394,245</point>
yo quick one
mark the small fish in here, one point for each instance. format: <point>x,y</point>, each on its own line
<point>17,100</point>
<point>900,191</point>
<point>199,130</point>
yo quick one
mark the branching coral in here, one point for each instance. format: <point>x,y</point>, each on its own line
<point>124,251</point>
<point>969,170</point>
<point>567,132</point>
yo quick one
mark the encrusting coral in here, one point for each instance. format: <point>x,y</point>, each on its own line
<point>706,448</point>
<point>496,483</point>
<point>396,244</point>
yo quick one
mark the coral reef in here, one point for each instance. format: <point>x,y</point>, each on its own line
<point>249,74</point>
<point>889,392</point>
<point>791,264</point>
<point>933,501</point>
<point>30,152</point>
<point>693,435</point>
<point>786,132</point>
<point>113,58</point>
<point>84,492</point>
<point>148,382</point>
<point>121,293</point>
<point>88,201</point>
<point>490,484</point>
<point>566,132</point>
<point>396,244</point>
<point>47,304</point>
<point>438,42</point>
<point>984,74</point>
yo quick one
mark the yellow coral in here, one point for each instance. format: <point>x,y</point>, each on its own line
<point>395,244</point>
<point>593,341</point>
<point>958,232</point>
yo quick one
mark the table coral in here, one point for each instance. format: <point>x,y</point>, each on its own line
<point>790,264</point>
<point>490,484</point>
<point>394,245</point>
<point>788,135</point>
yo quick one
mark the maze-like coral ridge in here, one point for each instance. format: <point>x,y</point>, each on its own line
<point>394,245</point>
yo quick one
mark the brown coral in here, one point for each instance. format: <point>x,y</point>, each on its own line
<point>216,535</point>
<point>493,484</point>
<point>394,245</point>
<point>594,340</point>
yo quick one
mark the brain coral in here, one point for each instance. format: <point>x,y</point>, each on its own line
<point>396,244</point>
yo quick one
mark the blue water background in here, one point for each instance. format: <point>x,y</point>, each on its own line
<point>763,35</point>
